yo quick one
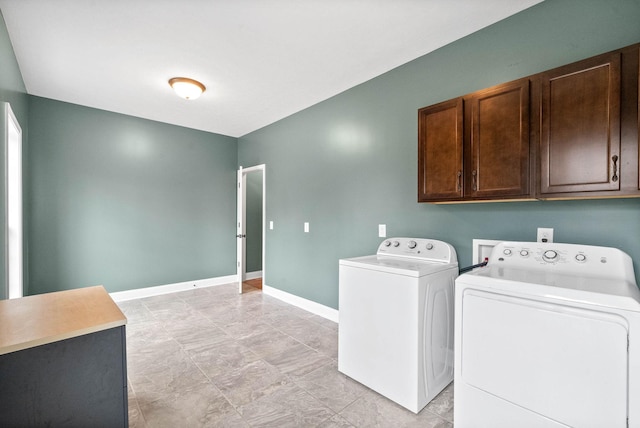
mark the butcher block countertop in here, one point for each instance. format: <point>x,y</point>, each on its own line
<point>46,318</point>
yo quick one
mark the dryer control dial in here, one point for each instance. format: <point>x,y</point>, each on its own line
<point>581,258</point>
<point>412,245</point>
<point>429,246</point>
<point>507,252</point>
<point>524,253</point>
<point>396,244</point>
<point>550,255</point>
<point>387,243</point>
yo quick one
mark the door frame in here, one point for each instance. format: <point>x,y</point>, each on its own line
<point>241,220</point>
<point>13,184</point>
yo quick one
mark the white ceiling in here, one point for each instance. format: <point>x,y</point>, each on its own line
<point>261,60</point>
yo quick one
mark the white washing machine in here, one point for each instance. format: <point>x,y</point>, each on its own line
<point>548,335</point>
<point>396,319</point>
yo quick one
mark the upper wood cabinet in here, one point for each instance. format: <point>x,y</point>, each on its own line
<point>440,144</point>
<point>568,133</point>
<point>497,147</point>
<point>580,136</point>
<point>476,147</point>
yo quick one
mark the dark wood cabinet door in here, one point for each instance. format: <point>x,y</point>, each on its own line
<point>440,145</point>
<point>580,138</point>
<point>498,156</point>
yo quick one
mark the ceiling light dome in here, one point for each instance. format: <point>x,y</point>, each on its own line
<point>186,88</point>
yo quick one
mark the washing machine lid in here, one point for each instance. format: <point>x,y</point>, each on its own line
<point>398,265</point>
<point>607,292</point>
<point>414,257</point>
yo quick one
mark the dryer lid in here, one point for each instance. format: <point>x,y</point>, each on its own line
<point>613,293</point>
<point>576,272</point>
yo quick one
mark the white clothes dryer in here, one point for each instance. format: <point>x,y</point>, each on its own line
<point>396,319</point>
<point>548,335</point>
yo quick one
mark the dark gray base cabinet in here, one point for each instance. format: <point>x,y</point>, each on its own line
<point>77,382</point>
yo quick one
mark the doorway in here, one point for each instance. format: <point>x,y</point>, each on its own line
<point>251,228</point>
<point>13,201</point>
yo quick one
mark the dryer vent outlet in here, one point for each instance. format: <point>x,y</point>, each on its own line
<point>545,234</point>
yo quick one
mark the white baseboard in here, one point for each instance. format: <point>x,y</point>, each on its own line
<point>302,303</point>
<point>292,299</point>
<point>138,293</point>
<point>253,275</point>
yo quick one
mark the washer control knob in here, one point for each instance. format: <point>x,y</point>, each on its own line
<point>524,253</point>
<point>581,258</point>
<point>387,243</point>
<point>412,244</point>
<point>507,252</point>
<point>396,244</point>
<point>550,255</point>
<point>429,246</point>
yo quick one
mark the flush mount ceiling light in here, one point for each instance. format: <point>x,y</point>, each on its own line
<point>186,88</point>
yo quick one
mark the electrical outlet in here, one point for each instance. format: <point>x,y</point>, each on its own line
<point>545,234</point>
<point>306,227</point>
<point>382,231</point>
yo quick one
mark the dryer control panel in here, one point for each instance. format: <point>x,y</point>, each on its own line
<point>418,248</point>
<point>603,262</point>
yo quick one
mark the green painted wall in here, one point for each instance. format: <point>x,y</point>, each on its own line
<point>126,202</point>
<point>12,91</point>
<point>349,163</point>
<point>254,221</point>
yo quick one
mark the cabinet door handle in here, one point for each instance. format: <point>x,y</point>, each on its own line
<point>614,158</point>
<point>459,181</point>
<point>474,179</point>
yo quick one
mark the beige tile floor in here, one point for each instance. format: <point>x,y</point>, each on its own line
<point>210,357</point>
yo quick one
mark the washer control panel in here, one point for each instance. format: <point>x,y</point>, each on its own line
<point>561,258</point>
<point>418,248</point>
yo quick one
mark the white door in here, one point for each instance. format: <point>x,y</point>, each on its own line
<point>13,227</point>
<point>241,229</point>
